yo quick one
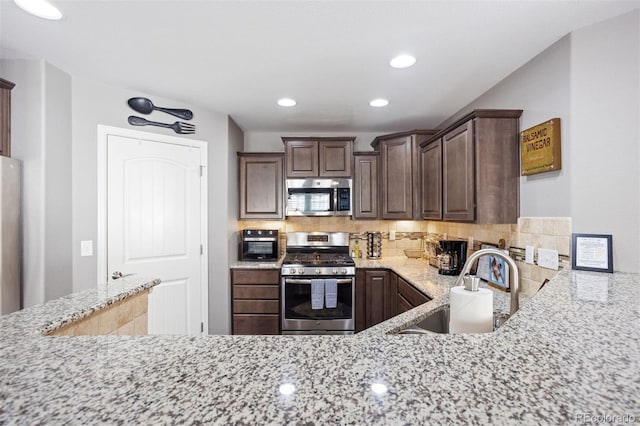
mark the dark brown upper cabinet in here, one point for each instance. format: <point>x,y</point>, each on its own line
<point>261,185</point>
<point>318,156</point>
<point>480,169</point>
<point>458,195</point>
<point>431,180</point>
<point>5,117</point>
<point>365,185</point>
<point>399,173</point>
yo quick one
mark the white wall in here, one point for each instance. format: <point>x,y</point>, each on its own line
<point>605,120</point>
<point>41,139</point>
<point>26,145</point>
<point>236,144</point>
<point>219,299</point>
<point>272,141</point>
<point>541,88</point>
<point>95,103</point>
<point>591,80</point>
<point>57,181</point>
<point>54,129</point>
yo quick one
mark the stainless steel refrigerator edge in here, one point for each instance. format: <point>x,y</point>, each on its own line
<point>10,235</point>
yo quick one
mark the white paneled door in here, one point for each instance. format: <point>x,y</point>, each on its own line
<point>155,226</point>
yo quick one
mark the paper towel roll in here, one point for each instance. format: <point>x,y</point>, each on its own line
<point>471,311</point>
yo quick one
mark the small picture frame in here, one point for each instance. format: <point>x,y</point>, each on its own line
<point>592,252</point>
<point>494,270</point>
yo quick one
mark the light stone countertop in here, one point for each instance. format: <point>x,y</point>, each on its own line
<point>76,306</point>
<point>425,278</point>
<point>573,350</point>
<point>239,264</point>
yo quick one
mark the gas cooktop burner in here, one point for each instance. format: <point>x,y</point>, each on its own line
<point>318,259</point>
<point>318,254</point>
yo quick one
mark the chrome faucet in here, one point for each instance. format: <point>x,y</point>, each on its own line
<point>515,277</point>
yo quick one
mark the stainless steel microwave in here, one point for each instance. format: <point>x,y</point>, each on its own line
<point>318,197</point>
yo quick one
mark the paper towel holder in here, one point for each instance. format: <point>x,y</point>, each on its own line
<point>515,278</point>
<point>471,282</point>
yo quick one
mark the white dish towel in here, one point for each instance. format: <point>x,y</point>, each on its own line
<point>317,293</point>
<point>331,292</point>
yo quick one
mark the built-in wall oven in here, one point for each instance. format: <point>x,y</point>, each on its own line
<point>318,284</point>
<point>259,245</point>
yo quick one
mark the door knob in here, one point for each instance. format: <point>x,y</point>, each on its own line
<point>117,275</point>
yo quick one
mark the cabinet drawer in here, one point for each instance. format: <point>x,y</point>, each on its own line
<point>256,306</point>
<point>403,305</point>
<point>256,324</point>
<point>255,276</point>
<point>256,292</point>
<point>410,294</point>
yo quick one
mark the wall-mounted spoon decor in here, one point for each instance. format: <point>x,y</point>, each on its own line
<point>145,106</point>
<point>178,126</point>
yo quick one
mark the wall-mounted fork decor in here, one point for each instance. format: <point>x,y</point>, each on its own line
<point>178,126</point>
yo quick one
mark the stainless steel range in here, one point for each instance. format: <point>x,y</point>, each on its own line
<point>318,284</point>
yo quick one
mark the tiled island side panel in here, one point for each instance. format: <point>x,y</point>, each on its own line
<point>127,317</point>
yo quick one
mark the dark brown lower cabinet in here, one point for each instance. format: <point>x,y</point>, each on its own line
<point>255,295</point>
<point>408,297</point>
<point>375,297</point>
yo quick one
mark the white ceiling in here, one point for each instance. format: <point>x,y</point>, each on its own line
<point>239,57</point>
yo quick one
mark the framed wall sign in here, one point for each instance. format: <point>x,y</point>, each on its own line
<point>540,148</point>
<point>592,252</point>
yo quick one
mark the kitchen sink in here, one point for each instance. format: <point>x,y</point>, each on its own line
<point>438,322</point>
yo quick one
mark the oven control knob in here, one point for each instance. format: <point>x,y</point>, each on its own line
<point>318,272</point>
<point>335,271</point>
<point>344,271</point>
<point>301,271</point>
<point>292,271</point>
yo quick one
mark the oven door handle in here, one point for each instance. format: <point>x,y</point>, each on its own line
<point>303,281</point>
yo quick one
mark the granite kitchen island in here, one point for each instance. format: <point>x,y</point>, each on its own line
<point>571,352</point>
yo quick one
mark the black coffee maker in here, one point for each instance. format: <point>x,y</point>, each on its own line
<point>453,255</point>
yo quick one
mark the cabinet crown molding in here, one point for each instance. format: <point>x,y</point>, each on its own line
<point>286,139</point>
<point>6,84</point>
<point>258,154</point>
<point>477,113</point>
<point>423,132</point>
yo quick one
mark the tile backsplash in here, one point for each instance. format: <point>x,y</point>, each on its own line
<point>540,232</point>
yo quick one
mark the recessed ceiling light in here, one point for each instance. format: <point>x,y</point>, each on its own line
<point>40,8</point>
<point>379,102</point>
<point>402,61</point>
<point>286,102</point>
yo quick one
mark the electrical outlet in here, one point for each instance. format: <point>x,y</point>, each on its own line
<point>548,259</point>
<point>392,235</point>
<point>86,248</point>
<point>528,254</point>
